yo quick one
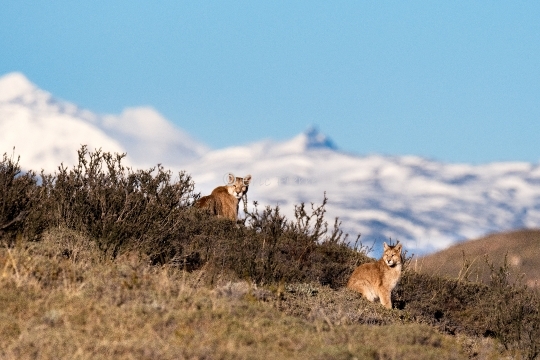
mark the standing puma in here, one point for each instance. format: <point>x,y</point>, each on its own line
<point>223,201</point>
<point>378,279</point>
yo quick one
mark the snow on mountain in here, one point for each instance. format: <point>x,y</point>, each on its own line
<point>43,130</point>
<point>310,139</point>
<point>425,204</point>
<point>150,138</point>
<point>46,131</point>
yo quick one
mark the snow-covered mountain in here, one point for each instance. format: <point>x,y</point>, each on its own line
<point>425,204</point>
<point>46,131</point>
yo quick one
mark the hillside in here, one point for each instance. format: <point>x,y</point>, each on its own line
<point>522,248</point>
<point>118,262</point>
<point>84,307</point>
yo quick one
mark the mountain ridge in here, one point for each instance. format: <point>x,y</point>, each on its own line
<point>426,204</point>
<point>64,127</point>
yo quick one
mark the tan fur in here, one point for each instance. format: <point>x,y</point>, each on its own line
<point>376,280</point>
<point>224,200</point>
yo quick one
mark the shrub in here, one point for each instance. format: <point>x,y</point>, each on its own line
<point>268,249</point>
<point>115,205</point>
<point>145,210</point>
<point>505,310</point>
<point>273,249</point>
<point>17,196</point>
<point>513,312</point>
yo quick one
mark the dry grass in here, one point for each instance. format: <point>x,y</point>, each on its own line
<point>467,260</point>
<point>103,261</point>
<point>87,306</point>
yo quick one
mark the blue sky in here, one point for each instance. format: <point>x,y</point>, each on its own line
<point>455,81</point>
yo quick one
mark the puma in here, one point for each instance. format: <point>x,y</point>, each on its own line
<point>376,280</point>
<point>224,200</point>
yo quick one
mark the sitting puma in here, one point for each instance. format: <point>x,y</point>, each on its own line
<point>378,279</point>
<point>223,201</point>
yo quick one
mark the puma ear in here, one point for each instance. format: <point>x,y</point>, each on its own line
<point>247,179</point>
<point>385,246</point>
<point>230,179</point>
<point>398,247</point>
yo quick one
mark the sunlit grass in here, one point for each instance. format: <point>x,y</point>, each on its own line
<point>91,307</point>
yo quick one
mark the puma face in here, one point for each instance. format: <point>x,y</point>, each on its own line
<point>237,186</point>
<point>392,255</point>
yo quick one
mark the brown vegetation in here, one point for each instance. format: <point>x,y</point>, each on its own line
<point>472,259</point>
<point>102,260</point>
<point>60,298</point>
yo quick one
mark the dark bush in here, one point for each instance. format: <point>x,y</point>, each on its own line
<point>269,249</point>
<point>115,205</point>
<point>445,303</point>
<point>505,310</point>
<point>513,312</point>
<point>273,249</point>
<point>145,210</point>
<point>18,192</point>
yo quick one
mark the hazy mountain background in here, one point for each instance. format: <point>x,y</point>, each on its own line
<point>426,204</point>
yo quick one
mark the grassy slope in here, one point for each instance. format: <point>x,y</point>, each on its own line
<point>521,247</point>
<point>87,307</point>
